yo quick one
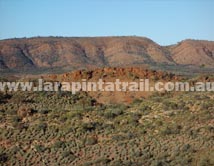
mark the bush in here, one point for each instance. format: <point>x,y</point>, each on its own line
<point>3,158</point>
<point>171,130</point>
<point>16,119</point>
<point>40,148</point>
<point>42,126</point>
<point>117,163</point>
<point>68,154</point>
<point>112,113</point>
<point>44,112</point>
<point>59,144</point>
<point>170,105</point>
<point>91,141</point>
<point>102,161</point>
<point>88,126</point>
<point>145,108</point>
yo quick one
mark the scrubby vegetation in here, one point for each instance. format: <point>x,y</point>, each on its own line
<point>65,129</point>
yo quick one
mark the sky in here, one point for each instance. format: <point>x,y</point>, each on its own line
<point>164,21</point>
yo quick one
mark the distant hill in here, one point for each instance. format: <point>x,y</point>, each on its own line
<point>60,54</point>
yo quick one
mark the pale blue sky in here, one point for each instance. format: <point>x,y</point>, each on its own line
<point>164,21</point>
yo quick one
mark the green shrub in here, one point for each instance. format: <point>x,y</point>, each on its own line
<point>91,141</point>
<point>3,158</point>
<point>42,126</point>
<point>40,148</point>
<point>174,129</point>
<point>112,113</point>
<point>68,154</point>
<point>44,112</point>
<point>15,119</point>
<point>59,144</point>
<point>170,105</point>
<point>145,108</point>
<point>102,161</point>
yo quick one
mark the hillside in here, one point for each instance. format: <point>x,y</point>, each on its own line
<point>163,130</point>
<point>193,52</point>
<point>65,54</point>
<point>129,74</point>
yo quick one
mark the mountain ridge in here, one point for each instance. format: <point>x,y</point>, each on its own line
<point>70,53</point>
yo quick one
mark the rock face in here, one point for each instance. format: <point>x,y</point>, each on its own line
<point>76,53</point>
<point>110,74</point>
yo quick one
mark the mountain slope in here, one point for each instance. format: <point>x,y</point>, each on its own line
<point>194,52</point>
<point>75,53</point>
